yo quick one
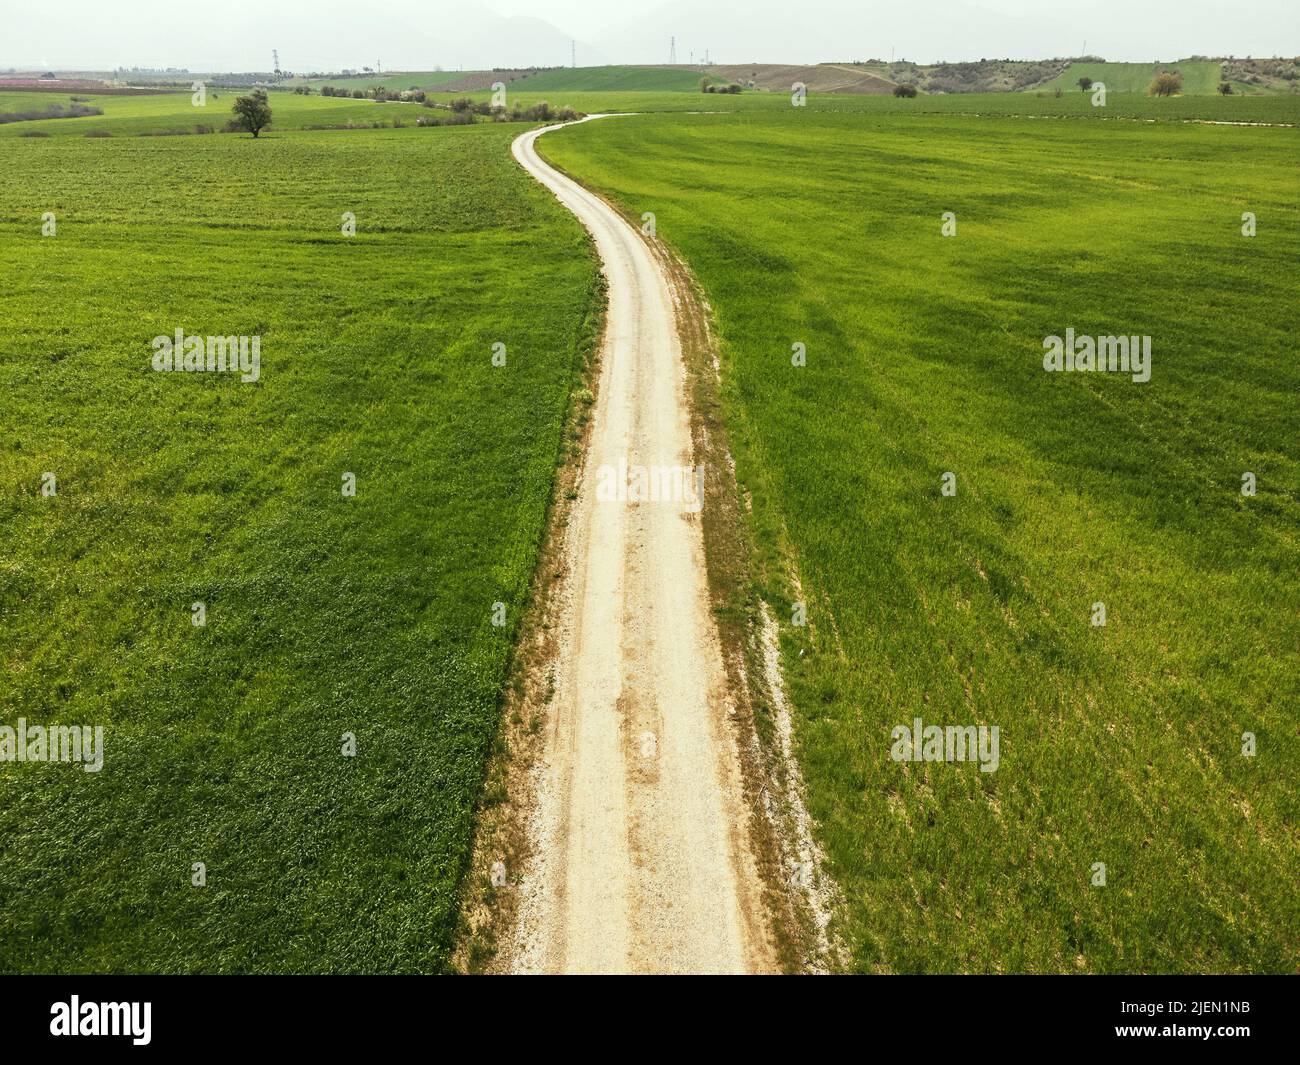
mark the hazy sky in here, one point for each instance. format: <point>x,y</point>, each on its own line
<point>422,34</point>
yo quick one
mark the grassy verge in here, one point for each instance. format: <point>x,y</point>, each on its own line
<point>1120,744</point>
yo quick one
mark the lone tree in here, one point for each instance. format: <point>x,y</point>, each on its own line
<point>904,90</point>
<point>1085,83</point>
<point>1225,88</point>
<point>252,112</point>
<point>1167,84</point>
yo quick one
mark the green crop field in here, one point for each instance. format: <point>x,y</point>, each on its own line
<point>1200,76</point>
<point>410,79</point>
<point>1121,744</point>
<point>1278,110</point>
<point>324,613</point>
<point>615,79</point>
<point>128,116</point>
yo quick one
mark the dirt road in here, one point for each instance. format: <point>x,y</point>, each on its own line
<point>641,853</point>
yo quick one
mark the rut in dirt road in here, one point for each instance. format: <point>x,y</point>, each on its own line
<point>642,859</point>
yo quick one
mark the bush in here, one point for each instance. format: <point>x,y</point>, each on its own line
<point>1225,88</point>
<point>98,133</point>
<point>461,103</point>
<point>1166,84</point>
<point>33,133</point>
<point>456,118</point>
<point>905,91</point>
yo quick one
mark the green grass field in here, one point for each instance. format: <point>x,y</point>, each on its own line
<point>129,116</point>
<point>1129,106</point>
<point>615,79</point>
<point>324,614</point>
<point>412,79</point>
<point>1120,744</point>
<point>1200,76</point>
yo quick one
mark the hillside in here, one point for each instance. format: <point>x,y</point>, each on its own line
<point>1200,76</point>
<point>984,75</point>
<point>619,79</point>
<point>821,77</point>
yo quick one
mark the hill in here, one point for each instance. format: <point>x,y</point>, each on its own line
<point>821,77</point>
<point>620,79</point>
<point>1200,76</point>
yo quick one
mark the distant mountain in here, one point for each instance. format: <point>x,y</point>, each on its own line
<point>400,34</point>
<point>519,42</point>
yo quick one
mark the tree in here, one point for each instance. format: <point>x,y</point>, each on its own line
<point>1166,84</point>
<point>905,90</point>
<point>1225,88</point>
<point>252,112</point>
<point>1085,83</point>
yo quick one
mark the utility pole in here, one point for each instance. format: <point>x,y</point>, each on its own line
<point>672,51</point>
<point>573,53</point>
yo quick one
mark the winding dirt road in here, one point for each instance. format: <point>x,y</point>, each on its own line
<point>641,847</point>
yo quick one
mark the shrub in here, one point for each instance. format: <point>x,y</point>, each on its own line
<point>905,91</point>
<point>33,133</point>
<point>1166,84</point>
<point>1225,88</point>
<point>461,103</point>
<point>98,133</point>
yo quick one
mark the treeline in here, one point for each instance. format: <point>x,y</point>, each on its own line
<point>53,111</point>
<point>375,92</point>
<point>465,111</point>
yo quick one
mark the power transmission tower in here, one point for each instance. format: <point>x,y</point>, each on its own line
<point>275,60</point>
<point>672,51</point>
<point>573,53</point>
